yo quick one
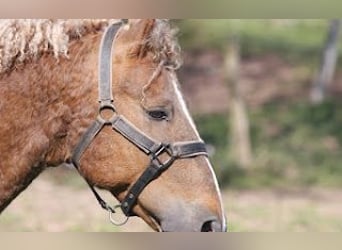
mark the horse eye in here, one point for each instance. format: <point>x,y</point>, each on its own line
<point>158,114</point>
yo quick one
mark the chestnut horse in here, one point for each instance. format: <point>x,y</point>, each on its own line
<point>48,102</point>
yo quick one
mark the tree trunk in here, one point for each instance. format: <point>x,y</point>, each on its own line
<point>328,64</point>
<point>240,138</point>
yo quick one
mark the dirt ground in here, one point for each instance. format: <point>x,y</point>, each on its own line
<point>48,205</point>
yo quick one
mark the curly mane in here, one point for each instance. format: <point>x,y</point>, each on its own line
<point>22,40</point>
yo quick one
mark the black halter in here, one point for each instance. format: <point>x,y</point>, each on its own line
<point>150,147</point>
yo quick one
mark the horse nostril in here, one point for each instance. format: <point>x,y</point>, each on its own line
<point>211,226</point>
<point>206,227</point>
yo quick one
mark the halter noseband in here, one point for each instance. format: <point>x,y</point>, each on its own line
<point>119,124</point>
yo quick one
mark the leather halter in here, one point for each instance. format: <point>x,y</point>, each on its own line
<point>153,148</point>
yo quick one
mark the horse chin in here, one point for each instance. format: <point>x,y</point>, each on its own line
<point>154,224</point>
<point>150,220</point>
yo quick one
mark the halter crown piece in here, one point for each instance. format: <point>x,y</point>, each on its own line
<point>119,124</point>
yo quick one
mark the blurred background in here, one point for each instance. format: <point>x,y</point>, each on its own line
<point>266,97</point>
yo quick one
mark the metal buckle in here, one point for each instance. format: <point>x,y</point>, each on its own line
<point>164,148</point>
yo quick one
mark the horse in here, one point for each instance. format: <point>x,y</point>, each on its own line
<point>50,115</point>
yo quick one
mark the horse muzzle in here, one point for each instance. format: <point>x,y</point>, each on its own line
<point>196,220</point>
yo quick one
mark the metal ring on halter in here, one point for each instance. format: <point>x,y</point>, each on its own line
<point>106,106</point>
<point>112,220</point>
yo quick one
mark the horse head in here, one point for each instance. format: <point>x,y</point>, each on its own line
<point>184,196</point>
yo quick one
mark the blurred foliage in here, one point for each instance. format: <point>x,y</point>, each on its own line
<point>294,144</point>
<point>293,39</point>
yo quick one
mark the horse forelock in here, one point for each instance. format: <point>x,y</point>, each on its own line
<point>164,44</point>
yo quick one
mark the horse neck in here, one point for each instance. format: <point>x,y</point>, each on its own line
<point>44,107</point>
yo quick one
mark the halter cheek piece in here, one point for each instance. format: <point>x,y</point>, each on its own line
<point>119,124</point>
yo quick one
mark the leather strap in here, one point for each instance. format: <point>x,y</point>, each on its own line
<point>86,139</point>
<point>105,63</point>
<point>83,144</point>
<point>189,149</point>
<point>150,173</point>
<point>134,135</point>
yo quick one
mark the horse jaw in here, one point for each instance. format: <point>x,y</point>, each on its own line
<point>144,215</point>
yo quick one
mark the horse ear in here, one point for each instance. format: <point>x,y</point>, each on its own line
<point>137,33</point>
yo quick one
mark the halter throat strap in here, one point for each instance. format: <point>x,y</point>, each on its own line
<point>153,148</point>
